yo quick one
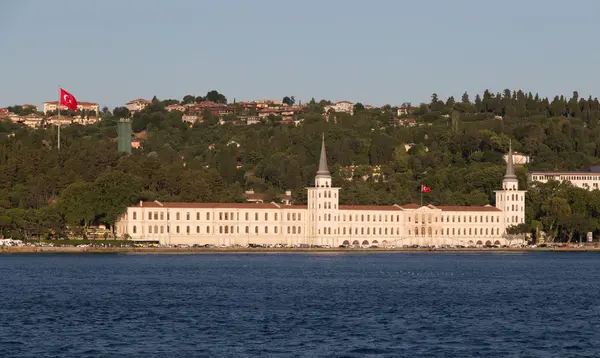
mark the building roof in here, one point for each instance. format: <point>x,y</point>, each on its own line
<point>468,208</point>
<point>323,169</point>
<point>139,100</point>
<point>371,207</point>
<point>510,171</point>
<point>180,205</point>
<point>562,173</point>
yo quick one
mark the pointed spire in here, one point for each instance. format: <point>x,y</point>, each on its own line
<point>510,170</point>
<point>323,170</point>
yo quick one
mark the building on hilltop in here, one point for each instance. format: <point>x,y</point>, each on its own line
<point>137,105</point>
<point>340,107</point>
<point>81,106</point>
<point>324,222</point>
<point>589,180</point>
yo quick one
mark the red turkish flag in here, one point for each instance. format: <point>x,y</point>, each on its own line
<point>425,189</point>
<point>67,100</point>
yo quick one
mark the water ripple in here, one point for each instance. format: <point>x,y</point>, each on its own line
<point>396,305</point>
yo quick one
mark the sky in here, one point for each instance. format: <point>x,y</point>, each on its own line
<point>375,52</point>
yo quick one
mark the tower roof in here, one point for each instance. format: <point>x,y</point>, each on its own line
<point>510,170</point>
<point>323,170</point>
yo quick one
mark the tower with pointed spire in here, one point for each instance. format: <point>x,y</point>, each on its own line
<point>323,208</point>
<point>510,199</point>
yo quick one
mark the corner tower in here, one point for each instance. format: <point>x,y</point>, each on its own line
<point>510,199</point>
<point>323,210</point>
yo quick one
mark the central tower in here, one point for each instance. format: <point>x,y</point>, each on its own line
<point>323,200</point>
<point>510,199</point>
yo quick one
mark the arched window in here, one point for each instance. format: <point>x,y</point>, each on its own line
<point>275,229</point>
<point>256,229</point>
<point>150,229</point>
<point>299,230</point>
<point>231,229</point>
<point>293,230</point>
<point>187,216</point>
<point>416,231</point>
<point>344,231</point>
<point>226,229</point>
<point>134,229</point>
<point>362,230</point>
<point>162,215</point>
<point>220,229</point>
<point>177,229</point>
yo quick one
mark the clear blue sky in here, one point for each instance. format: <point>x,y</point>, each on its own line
<point>375,52</point>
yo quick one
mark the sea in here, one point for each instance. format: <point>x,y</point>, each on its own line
<point>539,304</point>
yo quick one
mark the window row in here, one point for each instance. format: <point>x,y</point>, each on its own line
<point>371,218</point>
<point>293,230</point>
<point>326,194</point>
<point>454,218</point>
<point>454,231</point>
<point>222,216</point>
<point>512,197</point>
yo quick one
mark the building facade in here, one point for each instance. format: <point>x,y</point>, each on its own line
<point>324,222</point>
<point>583,180</point>
<point>81,106</point>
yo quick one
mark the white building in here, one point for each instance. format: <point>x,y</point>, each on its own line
<point>324,222</point>
<point>81,106</point>
<point>137,105</point>
<point>584,180</point>
<point>341,106</point>
<point>518,158</point>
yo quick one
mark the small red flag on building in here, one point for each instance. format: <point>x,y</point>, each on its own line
<point>67,100</point>
<point>425,189</point>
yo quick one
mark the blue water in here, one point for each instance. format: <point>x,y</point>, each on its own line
<point>301,305</point>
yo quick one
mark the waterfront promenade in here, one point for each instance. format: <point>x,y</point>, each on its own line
<point>175,250</point>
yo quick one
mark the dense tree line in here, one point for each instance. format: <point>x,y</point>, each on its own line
<point>457,149</point>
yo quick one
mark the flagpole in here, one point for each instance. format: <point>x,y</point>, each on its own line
<point>421,194</point>
<point>58,107</point>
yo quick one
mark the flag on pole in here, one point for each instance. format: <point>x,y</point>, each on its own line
<point>425,189</point>
<point>67,100</point>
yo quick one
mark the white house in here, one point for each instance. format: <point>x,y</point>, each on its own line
<point>341,106</point>
<point>324,222</point>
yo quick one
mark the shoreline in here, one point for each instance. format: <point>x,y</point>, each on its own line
<point>193,251</point>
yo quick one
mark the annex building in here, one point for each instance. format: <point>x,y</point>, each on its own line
<point>324,222</point>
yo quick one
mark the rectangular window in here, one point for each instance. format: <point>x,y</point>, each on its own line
<point>207,216</point>
<point>156,215</point>
<point>187,216</point>
<point>293,216</point>
<point>162,216</point>
<point>266,216</point>
<point>220,216</point>
<point>150,215</point>
<point>247,217</point>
